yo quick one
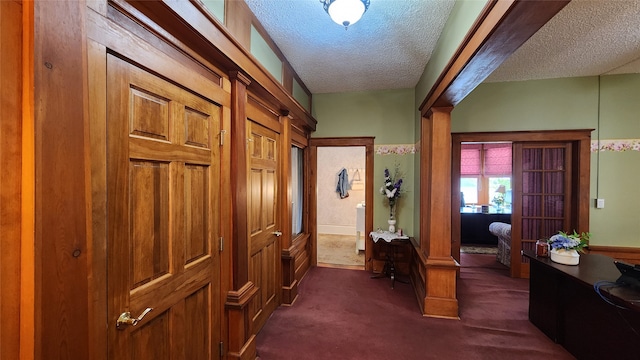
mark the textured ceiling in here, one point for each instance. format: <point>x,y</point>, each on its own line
<point>586,38</point>
<point>387,49</point>
<point>392,43</point>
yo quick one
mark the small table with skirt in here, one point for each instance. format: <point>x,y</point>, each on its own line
<point>390,241</point>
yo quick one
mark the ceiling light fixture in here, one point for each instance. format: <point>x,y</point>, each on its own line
<point>345,12</point>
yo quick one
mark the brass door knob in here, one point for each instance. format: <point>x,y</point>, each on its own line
<point>126,319</point>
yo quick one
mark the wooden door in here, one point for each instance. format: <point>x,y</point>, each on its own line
<point>163,183</point>
<point>542,187</point>
<point>264,247</point>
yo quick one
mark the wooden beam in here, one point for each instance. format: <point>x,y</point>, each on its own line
<point>502,27</point>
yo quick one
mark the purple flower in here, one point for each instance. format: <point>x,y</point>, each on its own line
<point>568,241</point>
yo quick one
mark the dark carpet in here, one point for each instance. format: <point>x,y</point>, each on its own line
<point>344,314</point>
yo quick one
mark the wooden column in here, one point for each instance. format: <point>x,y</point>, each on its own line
<point>435,204</point>
<point>241,340</point>
<point>287,254</point>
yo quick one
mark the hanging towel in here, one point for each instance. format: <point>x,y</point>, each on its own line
<point>343,184</point>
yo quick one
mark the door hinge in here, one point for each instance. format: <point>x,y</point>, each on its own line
<point>221,243</point>
<point>221,349</point>
<point>222,134</point>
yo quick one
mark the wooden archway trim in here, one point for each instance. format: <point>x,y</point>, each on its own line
<point>501,28</point>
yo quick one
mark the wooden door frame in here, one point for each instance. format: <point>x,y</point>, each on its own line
<point>16,164</point>
<point>97,69</point>
<point>314,143</point>
<point>581,139</point>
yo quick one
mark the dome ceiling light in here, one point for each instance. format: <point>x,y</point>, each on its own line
<point>345,12</point>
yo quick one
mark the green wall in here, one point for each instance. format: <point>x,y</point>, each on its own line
<point>529,105</point>
<point>616,174</point>
<point>461,18</point>
<point>386,115</point>
<point>572,103</point>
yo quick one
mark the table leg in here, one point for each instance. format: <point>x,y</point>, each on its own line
<point>389,269</point>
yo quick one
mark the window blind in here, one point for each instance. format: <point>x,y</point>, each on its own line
<point>485,159</point>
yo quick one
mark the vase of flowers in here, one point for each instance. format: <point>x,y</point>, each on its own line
<point>565,247</point>
<point>498,199</point>
<point>391,191</point>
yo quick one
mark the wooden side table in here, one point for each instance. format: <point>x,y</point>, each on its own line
<point>390,241</point>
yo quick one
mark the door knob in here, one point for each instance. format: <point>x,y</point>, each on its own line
<point>277,233</point>
<point>126,319</point>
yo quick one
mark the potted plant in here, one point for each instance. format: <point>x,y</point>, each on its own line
<point>565,247</point>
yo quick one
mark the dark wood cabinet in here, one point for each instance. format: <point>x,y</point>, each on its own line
<point>564,304</point>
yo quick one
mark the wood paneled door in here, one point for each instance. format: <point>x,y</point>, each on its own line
<point>264,234</point>
<point>542,186</point>
<point>163,208</point>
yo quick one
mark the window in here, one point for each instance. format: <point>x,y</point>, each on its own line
<point>485,170</point>
<point>469,190</point>
<point>297,189</point>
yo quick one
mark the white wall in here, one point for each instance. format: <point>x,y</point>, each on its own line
<point>335,215</point>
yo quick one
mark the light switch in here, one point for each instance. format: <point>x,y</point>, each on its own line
<point>599,203</point>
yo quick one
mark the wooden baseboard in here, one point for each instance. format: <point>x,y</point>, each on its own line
<point>627,254</point>
<point>440,308</point>
<point>417,273</point>
<point>290,293</point>
<point>248,351</point>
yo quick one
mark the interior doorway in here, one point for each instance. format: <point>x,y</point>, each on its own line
<point>334,214</point>
<point>564,154</point>
<point>340,186</point>
<point>486,198</point>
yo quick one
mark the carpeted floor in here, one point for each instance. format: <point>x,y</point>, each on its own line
<point>339,250</point>
<point>344,314</point>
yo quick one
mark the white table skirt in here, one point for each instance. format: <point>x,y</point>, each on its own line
<point>386,236</point>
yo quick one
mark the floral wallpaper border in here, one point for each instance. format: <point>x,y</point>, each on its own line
<point>618,145</point>
<point>400,149</point>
